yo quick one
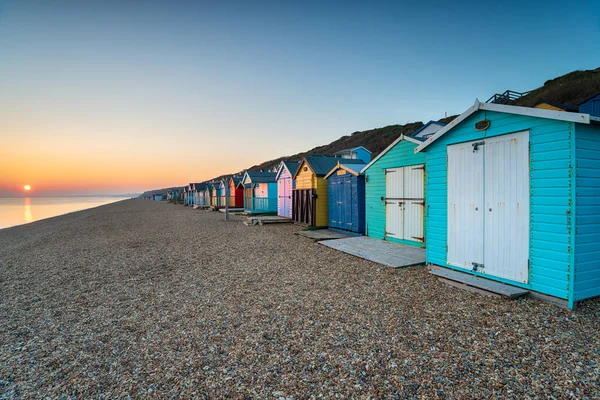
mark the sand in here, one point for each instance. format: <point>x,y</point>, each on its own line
<point>149,299</point>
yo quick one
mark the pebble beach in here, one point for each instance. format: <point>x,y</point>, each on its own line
<point>147,299</point>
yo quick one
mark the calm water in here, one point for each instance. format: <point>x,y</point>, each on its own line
<point>17,211</point>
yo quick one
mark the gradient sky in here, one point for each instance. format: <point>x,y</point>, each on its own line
<point>124,96</point>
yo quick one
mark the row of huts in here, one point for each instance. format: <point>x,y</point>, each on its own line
<point>507,193</point>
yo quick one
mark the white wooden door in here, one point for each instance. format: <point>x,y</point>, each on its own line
<point>394,193</point>
<point>506,236</point>
<point>413,202</point>
<point>465,205</point>
<point>284,193</point>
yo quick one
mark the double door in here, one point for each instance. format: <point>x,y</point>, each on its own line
<point>404,203</point>
<point>488,206</point>
<point>340,203</point>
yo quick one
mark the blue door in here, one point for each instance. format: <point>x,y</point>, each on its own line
<point>347,220</point>
<point>335,195</point>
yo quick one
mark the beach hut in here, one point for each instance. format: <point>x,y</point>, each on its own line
<point>285,185</point>
<point>207,194</point>
<point>395,192</point>
<point>346,197</point>
<point>216,194</point>
<point>260,192</point>
<point>513,195</point>
<point>310,197</point>
<point>355,153</point>
<point>428,129</point>
<point>158,196</point>
<point>199,191</point>
<point>591,106</point>
<point>188,195</point>
<point>236,192</point>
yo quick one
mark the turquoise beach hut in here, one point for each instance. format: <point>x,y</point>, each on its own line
<point>395,192</point>
<point>513,195</point>
<point>260,192</point>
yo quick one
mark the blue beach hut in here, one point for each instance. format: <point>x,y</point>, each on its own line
<point>198,194</point>
<point>513,195</point>
<point>346,197</point>
<point>355,153</point>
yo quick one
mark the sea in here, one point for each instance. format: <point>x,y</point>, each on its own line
<point>23,210</point>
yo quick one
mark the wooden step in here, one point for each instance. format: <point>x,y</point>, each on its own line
<point>477,284</point>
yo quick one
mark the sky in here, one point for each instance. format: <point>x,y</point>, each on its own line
<point>106,97</point>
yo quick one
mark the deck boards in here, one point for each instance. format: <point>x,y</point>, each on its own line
<point>267,219</point>
<point>379,251</point>
<point>512,292</point>
<point>322,234</point>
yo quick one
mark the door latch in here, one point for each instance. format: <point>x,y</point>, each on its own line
<point>476,145</point>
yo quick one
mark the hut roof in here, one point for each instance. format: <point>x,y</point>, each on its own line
<point>354,169</point>
<point>262,177</point>
<point>531,112</point>
<point>236,180</point>
<point>426,125</point>
<point>321,165</point>
<point>291,166</point>
<point>565,107</point>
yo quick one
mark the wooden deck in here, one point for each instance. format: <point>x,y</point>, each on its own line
<point>475,284</point>
<point>379,251</point>
<point>232,210</point>
<point>266,219</point>
<point>322,234</point>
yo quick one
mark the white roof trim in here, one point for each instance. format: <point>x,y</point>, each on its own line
<point>345,168</point>
<point>391,146</point>
<point>279,169</point>
<point>527,111</point>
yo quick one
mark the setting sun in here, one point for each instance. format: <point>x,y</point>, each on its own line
<point>27,188</point>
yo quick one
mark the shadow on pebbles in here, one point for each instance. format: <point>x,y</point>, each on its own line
<point>149,299</point>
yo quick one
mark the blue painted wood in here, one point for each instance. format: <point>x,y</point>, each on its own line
<point>591,106</point>
<point>362,154</point>
<point>401,155</point>
<point>587,211</point>
<point>551,196</point>
<point>346,201</point>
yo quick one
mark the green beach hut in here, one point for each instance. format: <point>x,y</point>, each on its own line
<point>395,192</point>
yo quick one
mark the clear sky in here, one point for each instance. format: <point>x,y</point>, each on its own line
<point>124,96</point>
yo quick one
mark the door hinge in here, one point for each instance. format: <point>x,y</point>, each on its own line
<point>477,266</point>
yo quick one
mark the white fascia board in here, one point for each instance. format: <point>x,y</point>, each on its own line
<point>537,112</point>
<point>281,167</point>
<point>516,110</point>
<point>337,166</point>
<point>391,146</point>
